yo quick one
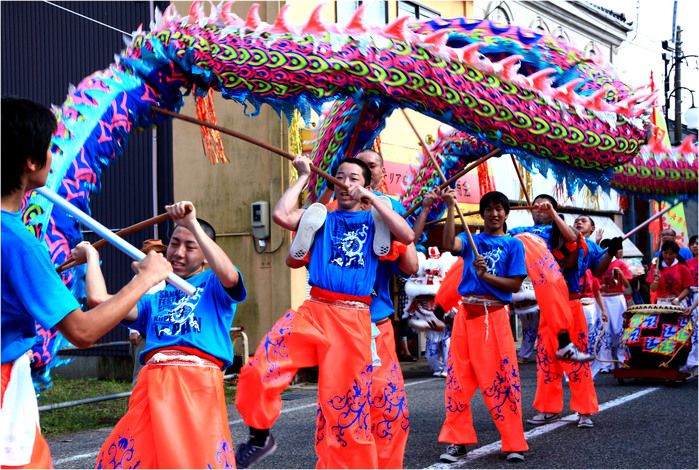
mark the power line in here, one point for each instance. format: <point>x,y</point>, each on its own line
<point>87,18</point>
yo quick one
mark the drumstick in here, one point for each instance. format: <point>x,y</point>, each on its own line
<point>443,178</point>
<point>71,263</point>
<point>253,141</point>
<point>362,114</point>
<point>107,234</point>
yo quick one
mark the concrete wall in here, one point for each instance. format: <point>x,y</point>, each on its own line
<point>222,194</point>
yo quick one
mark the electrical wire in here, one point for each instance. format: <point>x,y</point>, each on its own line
<point>87,18</point>
<point>263,252</point>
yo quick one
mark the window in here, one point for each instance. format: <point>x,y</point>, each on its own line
<point>376,12</point>
<point>499,15</point>
<point>420,12</point>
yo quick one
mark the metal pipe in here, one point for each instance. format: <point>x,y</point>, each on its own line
<point>678,84</point>
<point>84,401</point>
<point>95,346</point>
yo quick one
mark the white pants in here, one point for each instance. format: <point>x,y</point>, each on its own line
<point>437,349</point>
<point>530,328</point>
<point>610,346</point>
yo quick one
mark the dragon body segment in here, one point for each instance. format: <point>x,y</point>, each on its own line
<point>506,87</point>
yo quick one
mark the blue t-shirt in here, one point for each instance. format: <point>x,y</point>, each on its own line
<point>172,318</point>
<point>543,231</point>
<point>382,301</point>
<point>31,290</point>
<point>684,253</point>
<point>343,259</point>
<point>595,254</point>
<point>504,257</point>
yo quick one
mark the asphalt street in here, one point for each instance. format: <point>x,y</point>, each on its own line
<point>641,424</point>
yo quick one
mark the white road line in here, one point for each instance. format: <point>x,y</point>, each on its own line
<point>539,430</point>
<point>237,421</point>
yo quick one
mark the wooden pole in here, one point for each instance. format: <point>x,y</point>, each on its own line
<point>656,216</point>
<point>362,115</point>
<point>458,175</point>
<point>444,179</point>
<point>253,141</point>
<point>521,181</point>
<point>70,262</point>
<point>433,222</point>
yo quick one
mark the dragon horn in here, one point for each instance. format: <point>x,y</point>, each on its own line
<point>196,12</point>
<point>597,101</point>
<point>230,18</point>
<point>565,92</point>
<point>315,25</point>
<point>170,12</point>
<point>509,66</point>
<point>253,20</point>
<point>436,39</point>
<point>471,54</point>
<point>281,24</point>
<point>356,23</point>
<point>687,147</point>
<point>540,80</point>
<point>397,29</point>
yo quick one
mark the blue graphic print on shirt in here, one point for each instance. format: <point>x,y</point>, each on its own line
<point>172,318</point>
<point>342,259</point>
<point>504,257</point>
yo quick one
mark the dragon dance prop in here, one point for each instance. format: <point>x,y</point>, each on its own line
<point>521,91</point>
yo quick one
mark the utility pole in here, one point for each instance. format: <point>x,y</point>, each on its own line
<point>678,86</point>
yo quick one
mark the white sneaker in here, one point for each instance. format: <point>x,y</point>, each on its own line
<point>382,234</point>
<point>515,457</point>
<point>544,418</point>
<point>573,354</point>
<point>454,453</point>
<point>311,220</point>
<point>584,421</point>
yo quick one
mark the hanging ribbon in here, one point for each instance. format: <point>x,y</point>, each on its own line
<point>210,138</point>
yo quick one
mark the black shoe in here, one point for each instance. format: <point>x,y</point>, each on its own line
<point>247,454</point>
<point>454,452</point>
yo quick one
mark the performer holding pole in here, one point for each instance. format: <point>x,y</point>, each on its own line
<point>331,330</point>
<point>33,292</point>
<point>482,351</point>
<point>187,349</point>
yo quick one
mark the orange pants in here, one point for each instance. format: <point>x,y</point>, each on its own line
<point>177,418</point>
<point>482,354</point>
<point>387,404</point>
<point>41,455</point>
<point>336,338</point>
<point>549,370</point>
<point>549,285</point>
